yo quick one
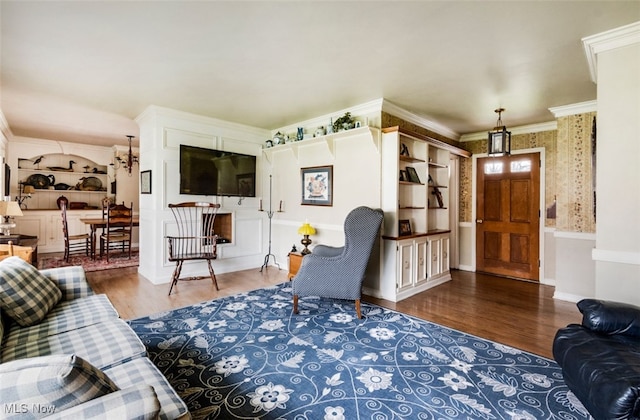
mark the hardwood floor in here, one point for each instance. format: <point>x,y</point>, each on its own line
<point>517,313</point>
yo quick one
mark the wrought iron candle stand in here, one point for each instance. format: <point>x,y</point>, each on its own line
<point>270,214</point>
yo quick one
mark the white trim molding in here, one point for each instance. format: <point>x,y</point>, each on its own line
<point>371,107</point>
<point>620,257</point>
<point>4,128</point>
<point>399,112</point>
<point>523,129</point>
<point>568,297</point>
<point>585,236</point>
<point>609,40</point>
<point>574,109</point>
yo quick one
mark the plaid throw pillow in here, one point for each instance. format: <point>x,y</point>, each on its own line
<point>25,294</point>
<point>51,383</point>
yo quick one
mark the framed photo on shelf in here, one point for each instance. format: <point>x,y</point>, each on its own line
<point>404,227</point>
<point>413,174</point>
<point>403,175</point>
<point>145,182</point>
<point>317,186</point>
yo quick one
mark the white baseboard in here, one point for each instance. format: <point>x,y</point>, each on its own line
<point>567,297</point>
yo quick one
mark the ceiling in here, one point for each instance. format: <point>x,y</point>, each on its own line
<point>81,71</point>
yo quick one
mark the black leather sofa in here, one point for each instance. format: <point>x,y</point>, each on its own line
<point>600,359</point>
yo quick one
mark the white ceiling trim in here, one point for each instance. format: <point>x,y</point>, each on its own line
<point>4,128</point>
<point>395,110</point>
<point>367,108</point>
<point>574,109</point>
<point>609,40</point>
<point>155,110</point>
<point>523,129</point>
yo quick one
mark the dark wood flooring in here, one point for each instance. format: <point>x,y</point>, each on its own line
<point>516,313</point>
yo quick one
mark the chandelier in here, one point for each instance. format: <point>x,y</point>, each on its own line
<point>126,161</point>
<point>499,143</point>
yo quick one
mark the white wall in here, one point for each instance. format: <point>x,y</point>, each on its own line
<point>617,252</point>
<point>354,156</point>
<point>161,133</point>
<point>575,271</point>
<point>127,184</point>
<point>356,182</point>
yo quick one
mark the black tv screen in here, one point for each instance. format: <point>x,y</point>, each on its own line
<point>216,172</point>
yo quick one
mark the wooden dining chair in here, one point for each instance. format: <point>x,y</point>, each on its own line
<point>78,243</point>
<point>195,238</point>
<point>118,231</point>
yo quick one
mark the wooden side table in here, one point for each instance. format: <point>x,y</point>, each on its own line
<point>295,260</point>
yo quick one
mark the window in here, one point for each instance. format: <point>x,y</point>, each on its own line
<point>493,168</point>
<point>521,166</point>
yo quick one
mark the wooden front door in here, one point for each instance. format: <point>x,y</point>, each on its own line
<point>508,216</point>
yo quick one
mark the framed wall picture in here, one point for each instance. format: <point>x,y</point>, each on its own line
<point>404,227</point>
<point>145,182</point>
<point>317,186</point>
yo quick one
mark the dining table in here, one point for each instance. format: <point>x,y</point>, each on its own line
<point>96,223</point>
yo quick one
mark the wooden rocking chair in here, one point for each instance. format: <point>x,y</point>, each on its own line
<point>195,238</point>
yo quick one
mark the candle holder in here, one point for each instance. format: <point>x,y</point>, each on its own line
<point>24,192</point>
<point>270,214</point>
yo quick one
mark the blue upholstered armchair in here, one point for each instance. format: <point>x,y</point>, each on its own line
<point>338,272</point>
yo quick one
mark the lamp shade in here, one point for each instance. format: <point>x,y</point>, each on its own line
<point>10,208</point>
<point>29,189</point>
<point>306,229</point>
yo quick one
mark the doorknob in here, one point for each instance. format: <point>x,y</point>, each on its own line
<point>479,221</point>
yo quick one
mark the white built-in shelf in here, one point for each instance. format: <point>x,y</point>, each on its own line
<point>328,140</point>
<point>410,159</point>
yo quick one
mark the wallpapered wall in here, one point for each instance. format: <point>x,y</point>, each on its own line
<point>568,172</point>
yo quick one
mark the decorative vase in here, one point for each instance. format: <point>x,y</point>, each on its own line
<point>300,134</point>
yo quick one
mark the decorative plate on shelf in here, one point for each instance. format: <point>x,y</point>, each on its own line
<point>40,182</point>
<point>89,183</point>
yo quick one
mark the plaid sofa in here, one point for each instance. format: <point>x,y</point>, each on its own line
<point>81,360</point>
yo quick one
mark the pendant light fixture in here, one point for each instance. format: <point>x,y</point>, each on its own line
<point>126,161</point>
<point>499,142</point>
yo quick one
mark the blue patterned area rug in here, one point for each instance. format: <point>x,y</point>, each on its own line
<point>248,357</point>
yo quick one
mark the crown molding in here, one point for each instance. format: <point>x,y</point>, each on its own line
<point>154,111</point>
<point>574,109</point>
<point>606,41</point>
<point>395,110</point>
<point>522,129</point>
<point>367,108</point>
<point>4,128</point>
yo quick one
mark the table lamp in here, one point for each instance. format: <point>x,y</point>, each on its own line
<point>8,209</point>
<point>305,230</point>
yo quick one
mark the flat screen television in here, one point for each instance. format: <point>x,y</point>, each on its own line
<point>216,172</point>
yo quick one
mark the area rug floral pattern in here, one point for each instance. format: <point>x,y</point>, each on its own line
<point>120,260</point>
<point>247,356</point>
